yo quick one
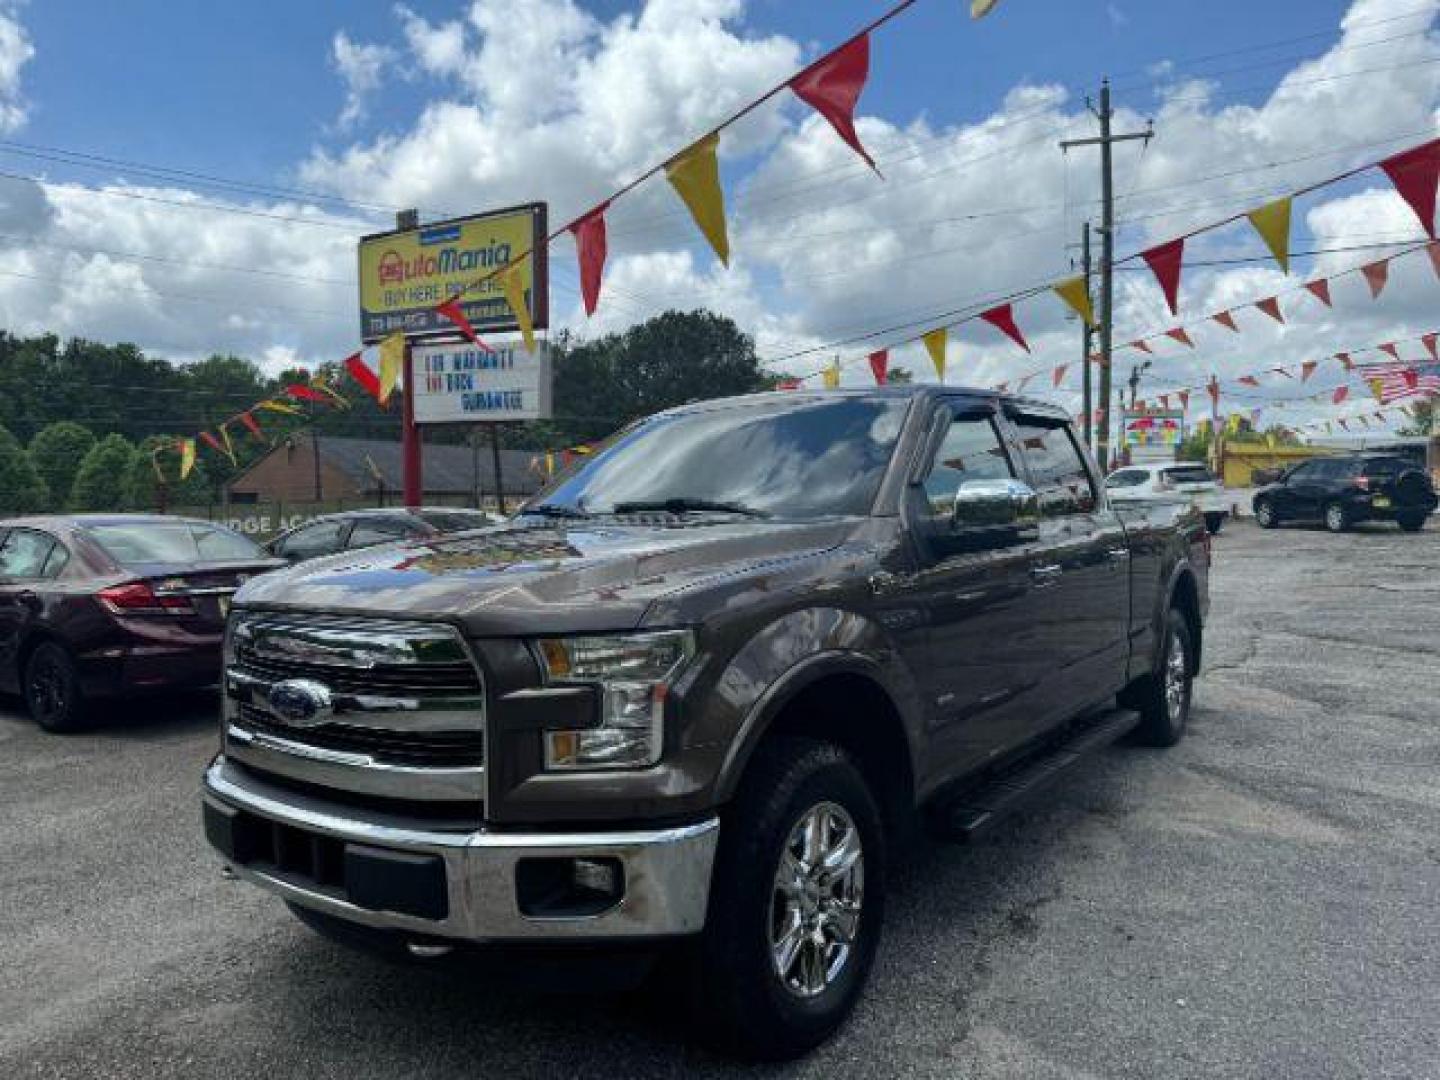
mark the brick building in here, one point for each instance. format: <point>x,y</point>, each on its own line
<point>369,470</point>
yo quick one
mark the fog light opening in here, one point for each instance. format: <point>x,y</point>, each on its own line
<point>568,888</point>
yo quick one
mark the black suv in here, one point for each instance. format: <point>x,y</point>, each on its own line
<point>1341,491</point>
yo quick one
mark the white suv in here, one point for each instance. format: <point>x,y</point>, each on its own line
<point>1167,481</point>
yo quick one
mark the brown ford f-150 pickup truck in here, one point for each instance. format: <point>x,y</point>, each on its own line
<point>698,691</point>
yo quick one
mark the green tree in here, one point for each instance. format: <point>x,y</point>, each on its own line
<point>22,491</point>
<point>100,484</point>
<point>1422,419</point>
<point>669,360</point>
<point>56,453</point>
<point>142,483</point>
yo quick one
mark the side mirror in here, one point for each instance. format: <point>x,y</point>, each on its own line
<point>1003,506</point>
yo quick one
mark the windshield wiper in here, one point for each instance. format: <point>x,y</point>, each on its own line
<point>555,510</point>
<point>681,505</point>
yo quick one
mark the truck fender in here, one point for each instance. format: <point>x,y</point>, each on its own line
<point>794,653</point>
<point>1182,577</point>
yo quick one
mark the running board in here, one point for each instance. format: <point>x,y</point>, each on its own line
<point>974,811</point>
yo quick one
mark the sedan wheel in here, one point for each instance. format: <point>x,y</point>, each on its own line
<point>1265,515</point>
<point>52,688</point>
<point>1336,520</point>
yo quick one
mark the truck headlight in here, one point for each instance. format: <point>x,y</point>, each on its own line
<point>633,673</point>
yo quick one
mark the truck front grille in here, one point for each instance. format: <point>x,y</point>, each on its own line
<point>367,706</point>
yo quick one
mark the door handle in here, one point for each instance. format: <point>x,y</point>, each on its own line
<point>1046,576</point>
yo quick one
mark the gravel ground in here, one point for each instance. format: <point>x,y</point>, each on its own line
<point>1258,902</point>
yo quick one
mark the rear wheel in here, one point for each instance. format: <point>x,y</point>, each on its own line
<point>1411,522</point>
<point>1265,515</point>
<point>52,688</point>
<point>1337,518</point>
<point>796,905</point>
<point>1163,696</point>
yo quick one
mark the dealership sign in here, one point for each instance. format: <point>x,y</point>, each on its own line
<point>466,384</point>
<point>406,273</point>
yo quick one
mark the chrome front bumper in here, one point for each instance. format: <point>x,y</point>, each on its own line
<point>666,872</point>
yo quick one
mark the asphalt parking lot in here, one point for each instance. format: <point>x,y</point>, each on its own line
<point>1259,902</point>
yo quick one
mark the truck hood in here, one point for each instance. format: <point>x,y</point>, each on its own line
<point>538,578</point>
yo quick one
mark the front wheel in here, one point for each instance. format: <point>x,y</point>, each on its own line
<point>1337,520</point>
<point>796,904</point>
<point>52,688</point>
<point>1265,515</point>
<point>1411,522</point>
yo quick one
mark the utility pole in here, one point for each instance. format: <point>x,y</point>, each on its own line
<point>1087,338</point>
<point>1106,140</point>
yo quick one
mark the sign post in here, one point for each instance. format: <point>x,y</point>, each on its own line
<point>405,274</point>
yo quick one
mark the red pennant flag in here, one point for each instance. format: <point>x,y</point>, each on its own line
<point>1059,375</point>
<point>1271,307</point>
<point>212,442</point>
<point>1227,320</point>
<point>1165,262</point>
<point>1344,358</point>
<point>590,247</point>
<point>1415,174</point>
<point>1179,334</point>
<point>1214,389</point>
<point>1320,289</point>
<point>1003,319</point>
<point>1391,348</point>
<point>1184,396</point>
<point>361,373</point>
<point>1429,340</point>
<point>832,85</point>
<point>1434,249</point>
<point>301,392</point>
<point>252,426</point>
<point>880,365</point>
<point>451,310</point>
<point>1412,379</point>
<point>1164,401</point>
<point>1142,345</point>
<point>1307,369</point>
<point>1341,393</point>
<point>1248,380</point>
<point>1376,275</point>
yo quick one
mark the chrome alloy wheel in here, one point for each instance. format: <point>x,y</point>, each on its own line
<point>816,901</point>
<point>1177,686</point>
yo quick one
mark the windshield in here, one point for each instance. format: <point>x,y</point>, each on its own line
<point>135,542</point>
<point>792,459</point>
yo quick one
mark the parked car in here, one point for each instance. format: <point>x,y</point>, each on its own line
<point>1166,481</point>
<point>361,528</point>
<point>1342,491</point>
<point>700,688</point>
<point>97,606</point>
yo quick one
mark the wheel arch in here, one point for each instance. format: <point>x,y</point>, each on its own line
<point>1184,596</point>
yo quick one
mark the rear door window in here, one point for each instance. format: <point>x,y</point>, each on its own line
<point>24,553</point>
<point>1057,468</point>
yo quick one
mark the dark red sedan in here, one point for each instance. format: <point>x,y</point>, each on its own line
<point>96,606</point>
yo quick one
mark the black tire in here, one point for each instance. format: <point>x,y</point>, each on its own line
<point>1266,515</point>
<point>1337,518</point>
<point>1214,523</point>
<point>52,688</point>
<point>1163,717</point>
<point>740,1002</point>
<point>1411,522</point>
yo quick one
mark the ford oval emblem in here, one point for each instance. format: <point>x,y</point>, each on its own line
<point>300,702</point>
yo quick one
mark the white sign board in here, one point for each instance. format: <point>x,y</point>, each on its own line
<point>465,384</point>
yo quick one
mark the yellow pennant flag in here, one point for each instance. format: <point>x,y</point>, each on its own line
<point>276,405</point>
<point>1272,222</point>
<point>980,8</point>
<point>1233,424</point>
<point>1076,293</point>
<point>935,342</point>
<point>187,457</point>
<point>1377,387</point>
<point>832,375</point>
<point>515,296</point>
<point>392,359</point>
<point>695,176</point>
<point>229,446</point>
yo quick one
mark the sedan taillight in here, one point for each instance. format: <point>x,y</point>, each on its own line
<point>1361,482</point>
<point>138,598</point>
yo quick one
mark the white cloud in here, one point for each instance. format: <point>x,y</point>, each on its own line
<point>362,68</point>
<point>15,52</point>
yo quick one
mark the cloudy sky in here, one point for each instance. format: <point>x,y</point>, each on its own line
<point>197,184</point>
